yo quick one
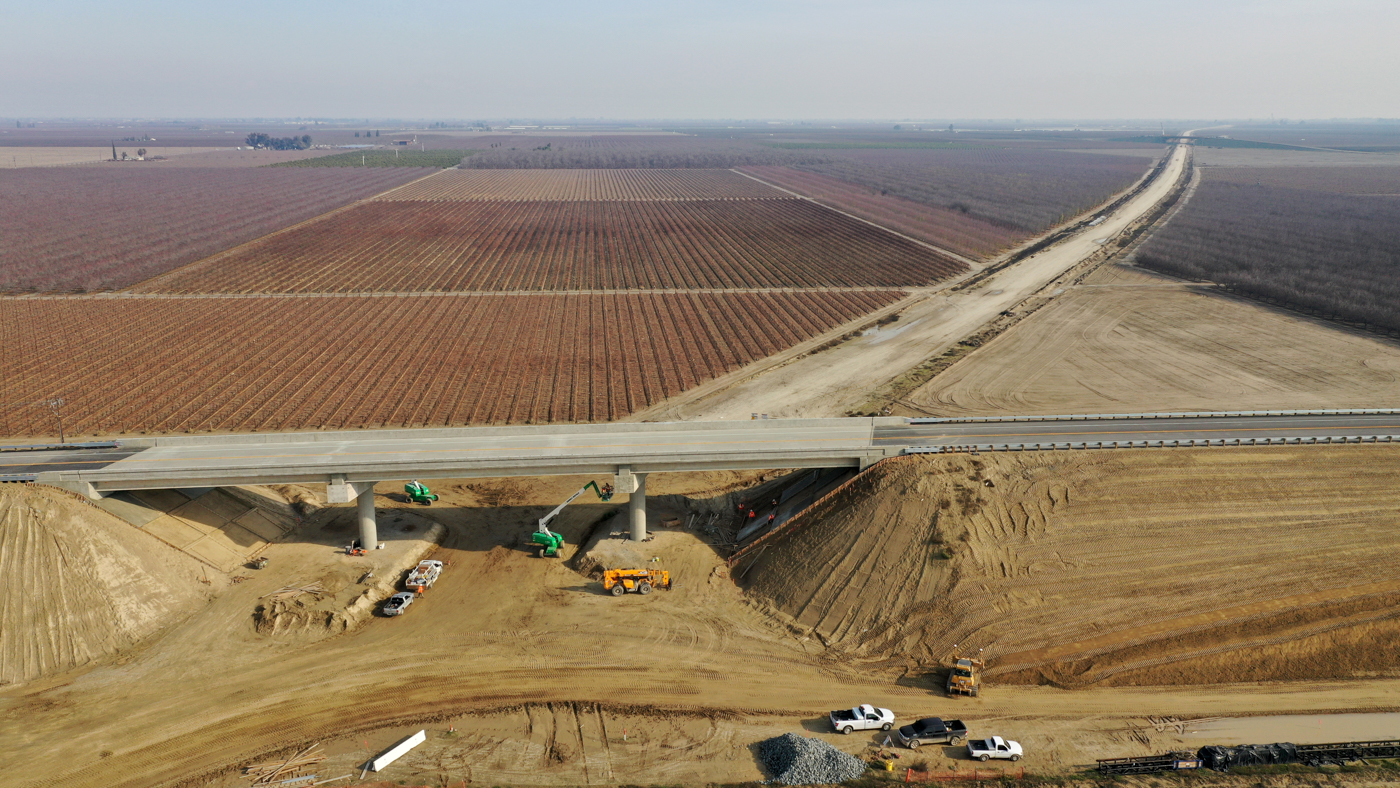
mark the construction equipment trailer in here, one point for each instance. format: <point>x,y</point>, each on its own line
<point>1149,764</point>
<point>550,542</point>
<point>1222,758</point>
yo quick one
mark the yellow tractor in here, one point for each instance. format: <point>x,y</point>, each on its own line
<point>619,581</point>
<point>965,676</point>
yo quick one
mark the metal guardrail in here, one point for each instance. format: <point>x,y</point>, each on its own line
<point>17,477</point>
<point>1147,416</point>
<point>1158,444</point>
<point>64,446</point>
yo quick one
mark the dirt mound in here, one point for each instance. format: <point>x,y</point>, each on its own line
<point>288,616</point>
<point>80,584</point>
<point>345,596</point>
<point>300,500</point>
<point>1111,567</point>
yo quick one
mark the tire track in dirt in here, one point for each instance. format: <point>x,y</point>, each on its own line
<point>1093,555</point>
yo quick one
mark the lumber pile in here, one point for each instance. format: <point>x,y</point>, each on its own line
<point>287,769</point>
<point>286,593</point>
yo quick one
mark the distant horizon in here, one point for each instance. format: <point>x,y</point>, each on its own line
<point>623,59</point>
<point>836,122</point>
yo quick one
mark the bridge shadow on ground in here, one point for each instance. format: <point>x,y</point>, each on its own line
<point>485,514</point>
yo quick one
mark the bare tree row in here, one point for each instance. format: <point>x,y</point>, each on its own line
<point>1331,253</point>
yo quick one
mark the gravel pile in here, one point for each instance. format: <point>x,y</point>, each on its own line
<point>796,760</point>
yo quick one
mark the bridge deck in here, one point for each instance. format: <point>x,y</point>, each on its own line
<point>604,448</point>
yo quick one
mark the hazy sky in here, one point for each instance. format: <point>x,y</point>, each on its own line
<point>723,59</point>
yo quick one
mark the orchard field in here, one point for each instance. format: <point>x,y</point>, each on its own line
<point>400,246</point>
<point>90,228</point>
<point>572,185</point>
<point>550,278</point>
<point>1325,239</point>
<point>163,365</point>
<point>951,229</point>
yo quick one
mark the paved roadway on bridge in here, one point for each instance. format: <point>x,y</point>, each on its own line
<point>600,448</point>
<point>1122,430</point>
<point>39,461</point>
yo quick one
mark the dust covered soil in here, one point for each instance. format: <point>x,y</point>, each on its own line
<point>1128,341</point>
<point>547,680</point>
<point>77,584</point>
<point>1105,568</point>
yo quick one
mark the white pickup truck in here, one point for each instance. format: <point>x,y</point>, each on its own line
<point>423,575</point>
<point>862,718</point>
<point>995,747</point>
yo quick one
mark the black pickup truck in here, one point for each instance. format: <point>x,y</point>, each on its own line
<point>932,730</point>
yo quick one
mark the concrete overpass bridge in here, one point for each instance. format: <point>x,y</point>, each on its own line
<point>351,463</point>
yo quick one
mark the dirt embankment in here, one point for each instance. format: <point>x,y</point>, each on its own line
<point>80,584</point>
<point>1110,567</point>
<point>1127,340</point>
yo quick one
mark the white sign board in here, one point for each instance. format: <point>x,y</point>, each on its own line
<point>394,753</point>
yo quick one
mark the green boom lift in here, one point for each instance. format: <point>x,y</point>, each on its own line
<point>550,542</point>
<point>418,492</point>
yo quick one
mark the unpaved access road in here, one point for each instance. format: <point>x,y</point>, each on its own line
<point>835,381</point>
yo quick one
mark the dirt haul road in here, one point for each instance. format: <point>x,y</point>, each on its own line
<point>835,381</point>
<point>505,630</point>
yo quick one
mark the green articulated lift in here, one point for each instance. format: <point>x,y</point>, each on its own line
<point>418,492</point>
<point>548,541</point>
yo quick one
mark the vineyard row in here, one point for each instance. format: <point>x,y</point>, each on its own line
<point>587,185</point>
<point>186,365</point>
<point>92,228</point>
<point>944,227</point>
<point>456,246</point>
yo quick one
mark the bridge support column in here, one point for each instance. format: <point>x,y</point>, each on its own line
<point>364,507</point>
<point>637,508</point>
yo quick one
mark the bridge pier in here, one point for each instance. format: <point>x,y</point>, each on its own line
<point>364,507</point>
<point>637,508</point>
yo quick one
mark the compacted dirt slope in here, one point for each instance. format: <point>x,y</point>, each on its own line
<point>79,584</point>
<point>1129,567</point>
<point>1128,341</point>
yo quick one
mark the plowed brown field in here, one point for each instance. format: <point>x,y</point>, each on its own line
<point>587,185</point>
<point>173,364</point>
<point>455,246</point>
